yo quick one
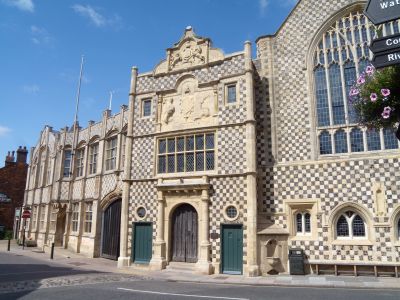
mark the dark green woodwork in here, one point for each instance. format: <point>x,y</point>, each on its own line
<point>232,249</point>
<point>142,242</point>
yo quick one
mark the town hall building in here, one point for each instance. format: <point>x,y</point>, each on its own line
<point>224,162</point>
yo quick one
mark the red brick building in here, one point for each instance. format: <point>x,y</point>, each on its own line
<point>12,185</point>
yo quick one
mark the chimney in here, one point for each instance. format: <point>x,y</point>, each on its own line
<point>22,155</point>
<point>9,158</point>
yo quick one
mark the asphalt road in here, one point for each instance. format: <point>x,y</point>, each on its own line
<point>26,278</point>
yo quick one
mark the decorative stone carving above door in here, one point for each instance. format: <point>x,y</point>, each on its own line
<point>189,107</point>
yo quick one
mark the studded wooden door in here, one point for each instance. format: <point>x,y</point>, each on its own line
<point>111,231</point>
<point>184,234</point>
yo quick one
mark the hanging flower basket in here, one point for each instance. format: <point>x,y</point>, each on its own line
<point>376,98</point>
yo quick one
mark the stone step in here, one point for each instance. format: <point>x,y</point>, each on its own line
<point>181,266</point>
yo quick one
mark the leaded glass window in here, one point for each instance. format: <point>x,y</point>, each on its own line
<point>79,162</point>
<point>146,109</point>
<point>390,139</point>
<point>373,140</point>
<point>325,143</point>
<point>341,141</point>
<point>231,93</point>
<point>88,217</point>
<point>398,229</point>
<point>303,223</point>
<point>189,153</point>
<point>67,163</point>
<point>75,217</point>
<point>93,156</point>
<point>341,55</point>
<point>350,225</point>
<point>111,153</point>
<point>356,140</point>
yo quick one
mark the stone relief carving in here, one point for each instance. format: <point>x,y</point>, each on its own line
<point>190,54</point>
<point>189,107</point>
<point>169,110</point>
<point>190,51</point>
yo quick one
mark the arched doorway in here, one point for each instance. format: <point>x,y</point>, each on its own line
<point>111,231</point>
<point>60,226</point>
<point>184,234</point>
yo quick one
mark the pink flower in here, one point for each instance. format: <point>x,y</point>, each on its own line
<point>361,79</point>
<point>373,97</point>
<point>354,92</point>
<point>385,92</point>
<point>370,70</point>
<point>386,112</point>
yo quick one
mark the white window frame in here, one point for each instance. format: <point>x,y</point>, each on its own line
<point>142,107</point>
<point>75,217</point>
<point>303,223</point>
<point>93,158</point>
<point>226,89</point>
<point>65,167</point>
<point>88,217</point>
<point>111,153</point>
<point>79,160</point>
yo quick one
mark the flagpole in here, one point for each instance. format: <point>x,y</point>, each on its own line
<point>79,92</point>
<point>111,98</point>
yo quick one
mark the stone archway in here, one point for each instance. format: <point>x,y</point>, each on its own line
<point>184,234</point>
<point>110,234</point>
<point>60,224</point>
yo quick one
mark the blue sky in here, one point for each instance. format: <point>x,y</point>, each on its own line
<point>41,43</point>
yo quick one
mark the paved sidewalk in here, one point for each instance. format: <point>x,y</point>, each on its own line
<point>79,261</point>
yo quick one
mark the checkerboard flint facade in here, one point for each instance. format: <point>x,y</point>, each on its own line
<point>266,163</point>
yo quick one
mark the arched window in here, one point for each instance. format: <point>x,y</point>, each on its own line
<point>341,141</point>
<point>325,143</point>
<point>350,225</point>
<point>356,140</point>
<point>303,223</point>
<point>398,228</point>
<point>340,56</point>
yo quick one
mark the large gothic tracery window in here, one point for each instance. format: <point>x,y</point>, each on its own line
<point>340,57</point>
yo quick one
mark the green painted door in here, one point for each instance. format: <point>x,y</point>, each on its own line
<point>232,249</point>
<point>142,242</point>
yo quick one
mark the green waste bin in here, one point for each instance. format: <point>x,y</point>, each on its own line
<point>296,261</point>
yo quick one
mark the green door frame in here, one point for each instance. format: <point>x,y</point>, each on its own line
<point>134,226</point>
<point>240,249</point>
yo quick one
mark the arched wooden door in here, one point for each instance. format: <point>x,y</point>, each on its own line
<point>184,234</point>
<point>111,231</point>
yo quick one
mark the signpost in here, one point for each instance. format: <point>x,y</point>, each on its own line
<point>382,11</point>
<point>25,215</point>
<point>387,49</point>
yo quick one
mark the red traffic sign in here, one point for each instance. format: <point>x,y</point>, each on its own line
<point>382,11</point>
<point>26,214</point>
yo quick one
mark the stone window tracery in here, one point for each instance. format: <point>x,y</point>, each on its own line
<point>398,228</point>
<point>340,56</point>
<point>350,225</point>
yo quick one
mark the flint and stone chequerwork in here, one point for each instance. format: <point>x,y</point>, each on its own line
<point>226,162</point>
